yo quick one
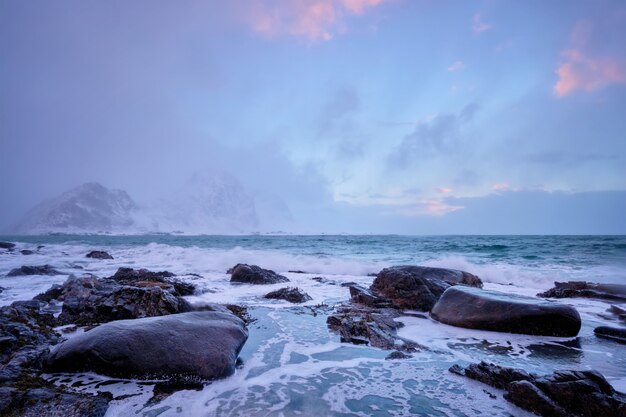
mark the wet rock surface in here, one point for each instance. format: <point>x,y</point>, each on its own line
<point>253,274</point>
<point>143,277</point>
<point>561,394</point>
<point>98,254</point>
<point>89,300</point>
<point>418,287</point>
<point>614,292</point>
<point>33,270</point>
<point>198,345</point>
<point>475,308</point>
<point>293,295</point>
<point>25,333</point>
<point>617,334</point>
<point>363,321</point>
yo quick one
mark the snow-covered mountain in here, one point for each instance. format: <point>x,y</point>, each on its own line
<point>88,208</point>
<point>210,203</point>
<point>215,203</point>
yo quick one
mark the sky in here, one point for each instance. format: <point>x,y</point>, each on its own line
<point>363,116</point>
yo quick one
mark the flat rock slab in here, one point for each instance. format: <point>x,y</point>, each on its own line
<point>475,308</point>
<point>418,287</point>
<point>33,270</point>
<point>188,346</point>
<point>614,292</point>
<point>617,334</point>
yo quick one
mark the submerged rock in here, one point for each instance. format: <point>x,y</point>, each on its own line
<point>33,270</point>
<point>615,292</point>
<point>475,308</point>
<point>26,252</point>
<point>418,287</point>
<point>99,254</point>
<point>88,300</point>
<point>617,334</point>
<point>293,295</point>
<point>253,274</point>
<point>7,245</point>
<point>562,394</point>
<point>198,345</point>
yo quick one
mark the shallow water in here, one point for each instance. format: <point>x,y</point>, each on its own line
<point>292,364</point>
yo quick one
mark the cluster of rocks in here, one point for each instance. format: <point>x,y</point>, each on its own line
<point>143,329</point>
<point>33,270</point>
<point>369,316</point>
<point>562,394</point>
<point>27,331</point>
<point>452,297</point>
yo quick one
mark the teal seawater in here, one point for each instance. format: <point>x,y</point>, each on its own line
<point>573,251</point>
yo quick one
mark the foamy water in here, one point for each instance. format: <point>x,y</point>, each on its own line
<point>292,364</point>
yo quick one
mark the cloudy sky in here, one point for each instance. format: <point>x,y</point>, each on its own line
<point>397,116</point>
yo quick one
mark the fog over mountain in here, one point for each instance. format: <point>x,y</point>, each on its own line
<point>206,204</point>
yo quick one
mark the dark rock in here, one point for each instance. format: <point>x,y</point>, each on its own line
<point>293,295</point>
<point>364,296</point>
<point>7,245</point>
<point>89,300</point>
<point>51,401</point>
<point>2,289</point>
<point>396,354</point>
<point>361,325</point>
<point>297,271</point>
<point>615,292</point>
<point>418,287</point>
<point>617,334</point>
<point>26,252</point>
<point>26,333</point>
<point>143,277</point>
<point>562,394</point>
<point>98,254</point>
<point>198,345</point>
<point>488,373</point>
<point>475,308</point>
<point>252,274</point>
<point>33,270</point>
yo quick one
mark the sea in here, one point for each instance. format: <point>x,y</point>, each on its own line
<point>292,365</point>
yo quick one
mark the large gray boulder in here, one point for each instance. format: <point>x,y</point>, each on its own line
<point>418,287</point>
<point>475,308</point>
<point>190,346</point>
<point>253,274</point>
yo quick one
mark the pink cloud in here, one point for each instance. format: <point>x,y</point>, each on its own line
<point>313,19</point>
<point>579,71</point>
<point>479,25</point>
<point>582,69</point>
<point>501,186</point>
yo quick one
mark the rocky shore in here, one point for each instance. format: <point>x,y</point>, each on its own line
<point>139,324</point>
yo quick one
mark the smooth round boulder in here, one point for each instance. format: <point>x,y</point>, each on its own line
<point>418,287</point>
<point>475,308</point>
<point>200,345</point>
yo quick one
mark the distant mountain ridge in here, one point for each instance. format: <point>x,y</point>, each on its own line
<point>206,204</point>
